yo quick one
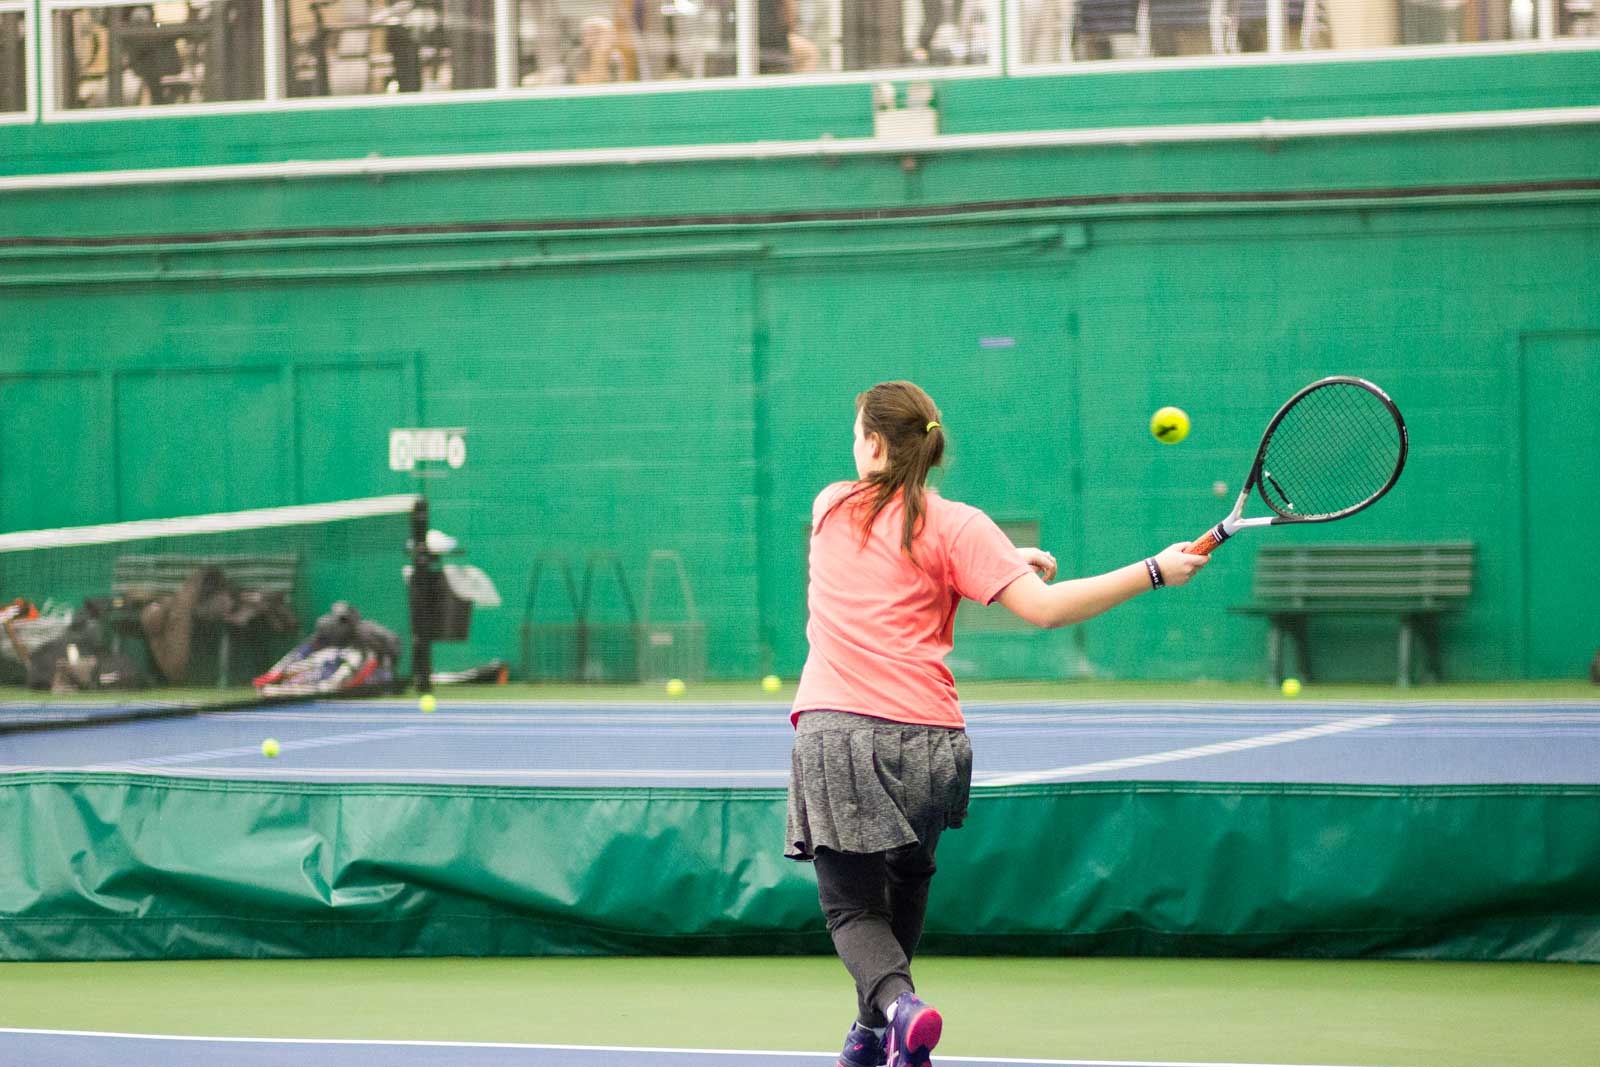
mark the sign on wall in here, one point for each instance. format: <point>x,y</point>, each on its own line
<point>408,448</point>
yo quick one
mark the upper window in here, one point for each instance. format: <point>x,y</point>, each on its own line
<point>851,35</point>
<point>149,55</point>
<point>1058,31</point>
<point>601,42</point>
<point>593,42</point>
<point>358,47</point>
<point>116,54</point>
<point>13,61</point>
<point>1577,18</point>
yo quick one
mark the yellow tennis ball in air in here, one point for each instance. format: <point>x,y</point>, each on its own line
<point>269,747</point>
<point>772,683</point>
<point>1170,425</point>
<point>675,687</point>
<point>427,703</point>
<point>1291,687</point>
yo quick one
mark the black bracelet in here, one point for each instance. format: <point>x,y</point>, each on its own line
<point>1156,581</point>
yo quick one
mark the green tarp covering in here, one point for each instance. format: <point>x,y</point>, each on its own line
<point>111,866</point>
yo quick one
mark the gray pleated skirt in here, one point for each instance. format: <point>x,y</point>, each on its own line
<point>859,784</point>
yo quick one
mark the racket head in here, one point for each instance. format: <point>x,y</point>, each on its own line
<point>1334,448</point>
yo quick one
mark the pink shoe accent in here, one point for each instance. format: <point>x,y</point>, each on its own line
<point>921,1035</point>
<point>924,1031</point>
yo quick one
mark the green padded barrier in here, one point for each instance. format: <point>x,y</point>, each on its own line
<point>133,867</point>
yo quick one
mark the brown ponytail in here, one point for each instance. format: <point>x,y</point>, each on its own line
<point>909,423</point>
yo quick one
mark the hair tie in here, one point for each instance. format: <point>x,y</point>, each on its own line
<point>931,427</point>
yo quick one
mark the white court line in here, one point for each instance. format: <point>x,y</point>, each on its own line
<point>1574,717</point>
<point>1200,751</point>
<point>1265,700</point>
<point>396,774</point>
<point>652,708</point>
<point>455,716</point>
<point>631,1048</point>
<point>252,750</point>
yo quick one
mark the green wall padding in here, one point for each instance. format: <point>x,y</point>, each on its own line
<point>133,867</point>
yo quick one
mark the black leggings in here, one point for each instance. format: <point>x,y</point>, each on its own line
<point>875,903</point>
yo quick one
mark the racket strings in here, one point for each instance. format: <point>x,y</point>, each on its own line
<point>1332,451</point>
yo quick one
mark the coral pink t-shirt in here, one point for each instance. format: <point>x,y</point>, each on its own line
<point>881,624</point>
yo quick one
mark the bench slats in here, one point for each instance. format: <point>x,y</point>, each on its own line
<point>160,575</point>
<point>1339,569</point>
<point>1375,546</point>
<point>1350,589</point>
<point>1354,577</point>
<point>1343,607</point>
<point>1344,578</point>
<point>1409,583</point>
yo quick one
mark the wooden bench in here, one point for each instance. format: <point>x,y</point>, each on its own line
<point>137,580</point>
<point>1412,583</point>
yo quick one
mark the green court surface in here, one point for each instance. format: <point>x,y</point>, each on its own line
<point>1372,1014</point>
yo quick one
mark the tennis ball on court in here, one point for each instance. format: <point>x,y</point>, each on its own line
<point>269,747</point>
<point>427,703</point>
<point>1170,425</point>
<point>1291,687</point>
<point>772,683</point>
<point>675,687</point>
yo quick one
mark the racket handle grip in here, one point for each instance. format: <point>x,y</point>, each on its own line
<point>1207,542</point>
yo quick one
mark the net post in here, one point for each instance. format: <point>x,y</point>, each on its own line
<point>422,599</point>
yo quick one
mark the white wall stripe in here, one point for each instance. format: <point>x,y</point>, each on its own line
<point>1264,130</point>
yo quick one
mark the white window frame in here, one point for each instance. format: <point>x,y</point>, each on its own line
<point>30,74</point>
<point>275,101</point>
<point>1543,40</point>
<point>53,112</point>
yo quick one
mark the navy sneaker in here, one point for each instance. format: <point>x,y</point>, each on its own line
<point>913,1031</point>
<point>863,1048</point>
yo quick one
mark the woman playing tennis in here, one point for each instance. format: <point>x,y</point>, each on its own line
<point>881,764</point>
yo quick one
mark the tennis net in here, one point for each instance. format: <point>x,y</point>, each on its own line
<point>173,616</point>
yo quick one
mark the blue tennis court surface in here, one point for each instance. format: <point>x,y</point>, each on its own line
<point>43,1048</point>
<point>723,745</point>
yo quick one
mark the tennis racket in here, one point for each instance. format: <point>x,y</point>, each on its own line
<point>1334,449</point>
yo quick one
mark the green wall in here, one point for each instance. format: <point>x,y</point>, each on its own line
<point>664,356</point>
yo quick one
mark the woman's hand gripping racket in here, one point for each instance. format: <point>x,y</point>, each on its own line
<point>1336,447</point>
